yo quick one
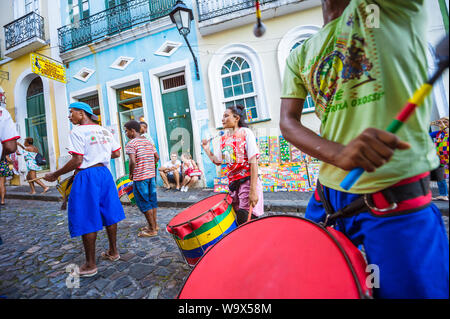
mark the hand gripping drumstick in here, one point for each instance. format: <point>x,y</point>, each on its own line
<point>217,135</point>
<point>417,99</point>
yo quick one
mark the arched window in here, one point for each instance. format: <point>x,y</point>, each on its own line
<point>236,77</point>
<point>293,39</point>
<point>238,88</point>
<point>309,103</point>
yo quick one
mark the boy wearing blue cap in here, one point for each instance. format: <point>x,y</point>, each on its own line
<point>93,200</point>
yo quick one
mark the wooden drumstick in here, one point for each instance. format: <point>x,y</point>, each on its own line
<point>36,179</point>
<point>250,213</point>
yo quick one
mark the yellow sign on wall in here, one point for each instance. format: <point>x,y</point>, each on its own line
<point>48,68</point>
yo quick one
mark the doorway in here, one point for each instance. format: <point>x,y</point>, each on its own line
<point>177,116</point>
<point>129,101</point>
<point>35,122</point>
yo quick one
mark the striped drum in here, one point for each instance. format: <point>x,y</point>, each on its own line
<point>201,225</point>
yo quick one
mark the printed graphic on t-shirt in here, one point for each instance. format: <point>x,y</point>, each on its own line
<point>234,155</point>
<point>348,62</point>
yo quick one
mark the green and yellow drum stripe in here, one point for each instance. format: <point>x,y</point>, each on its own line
<point>208,231</point>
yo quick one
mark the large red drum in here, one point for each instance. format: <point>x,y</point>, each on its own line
<point>279,257</point>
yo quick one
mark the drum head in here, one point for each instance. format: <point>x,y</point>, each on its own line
<point>196,210</point>
<point>275,257</point>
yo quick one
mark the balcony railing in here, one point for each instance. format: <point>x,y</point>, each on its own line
<point>24,29</point>
<point>208,9</point>
<point>111,21</point>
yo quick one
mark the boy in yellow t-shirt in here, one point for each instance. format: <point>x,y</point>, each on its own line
<point>360,74</point>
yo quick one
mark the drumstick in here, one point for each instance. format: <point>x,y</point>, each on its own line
<point>259,29</point>
<point>417,99</point>
<point>250,213</point>
<point>36,179</point>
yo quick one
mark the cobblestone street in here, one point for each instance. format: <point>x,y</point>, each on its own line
<point>37,249</point>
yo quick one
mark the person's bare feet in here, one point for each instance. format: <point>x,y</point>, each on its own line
<point>45,190</point>
<point>33,192</point>
<point>144,233</point>
<point>110,256</point>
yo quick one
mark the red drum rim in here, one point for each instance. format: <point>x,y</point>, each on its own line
<point>240,229</point>
<point>212,202</point>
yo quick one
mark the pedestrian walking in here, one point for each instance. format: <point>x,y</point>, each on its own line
<point>362,77</point>
<point>30,152</point>
<point>143,157</point>
<point>5,172</point>
<point>8,141</point>
<point>93,201</point>
<point>238,150</point>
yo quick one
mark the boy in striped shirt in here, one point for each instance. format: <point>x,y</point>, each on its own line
<point>143,157</point>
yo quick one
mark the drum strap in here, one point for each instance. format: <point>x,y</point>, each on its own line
<point>66,197</point>
<point>405,197</point>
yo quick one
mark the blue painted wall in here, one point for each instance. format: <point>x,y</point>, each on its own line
<point>142,50</point>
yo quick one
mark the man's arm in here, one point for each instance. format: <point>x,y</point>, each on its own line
<point>115,154</point>
<point>156,157</point>
<point>370,150</point>
<point>74,163</point>
<point>131,164</point>
<point>9,147</point>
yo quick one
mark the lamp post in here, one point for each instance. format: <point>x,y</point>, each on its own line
<point>182,17</point>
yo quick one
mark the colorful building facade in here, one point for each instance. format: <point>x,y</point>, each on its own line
<point>29,27</point>
<point>128,61</point>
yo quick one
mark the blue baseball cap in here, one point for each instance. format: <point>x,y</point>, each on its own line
<point>85,107</point>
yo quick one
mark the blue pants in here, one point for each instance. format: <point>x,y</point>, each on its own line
<point>442,185</point>
<point>93,202</point>
<point>145,194</point>
<point>410,250</point>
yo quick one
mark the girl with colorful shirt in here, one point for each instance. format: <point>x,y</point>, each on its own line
<point>239,152</point>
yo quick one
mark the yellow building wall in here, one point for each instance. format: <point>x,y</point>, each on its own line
<point>267,49</point>
<point>15,68</point>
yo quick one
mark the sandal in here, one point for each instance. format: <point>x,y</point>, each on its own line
<point>144,233</point>
<point>107,256</point>
<point>88,273</point>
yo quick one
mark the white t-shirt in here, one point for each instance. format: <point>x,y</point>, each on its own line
<point>94,142</point>
<point>7,128</point>
<point>169,164</point>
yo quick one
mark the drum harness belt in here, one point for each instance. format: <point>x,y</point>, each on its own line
<point>70,181</point>
<point>393,195</point>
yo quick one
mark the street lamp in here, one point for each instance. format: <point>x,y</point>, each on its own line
<point>182,17</point>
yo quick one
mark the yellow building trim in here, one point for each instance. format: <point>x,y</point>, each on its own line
<point>54,122</point>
